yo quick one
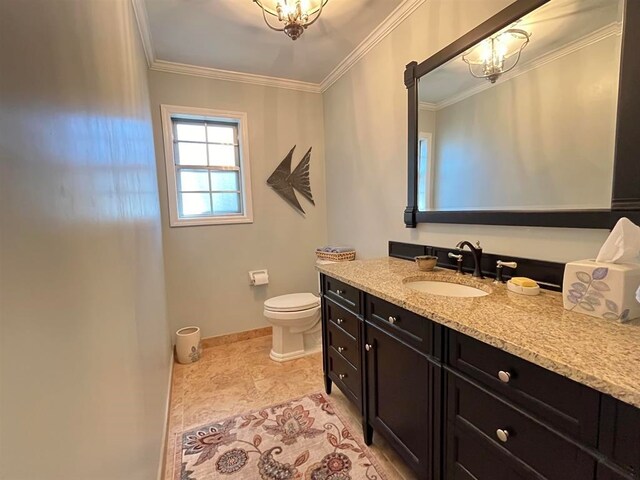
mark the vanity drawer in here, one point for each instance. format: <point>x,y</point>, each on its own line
<point>470,456</point>
<point>567,405</point>
<point>343,344</point>
<point>607,472</point>
<point>342,318</point>
<point>545,451</point>
<point>620,434</point>
<point>344,294</point>
<point>345,375</point>
<point>408,326</point>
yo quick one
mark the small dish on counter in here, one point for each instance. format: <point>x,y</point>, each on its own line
<point>426,263</point>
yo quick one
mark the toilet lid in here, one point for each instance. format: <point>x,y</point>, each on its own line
<point>292,302</point>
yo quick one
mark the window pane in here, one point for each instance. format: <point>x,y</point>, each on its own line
<point>192,154</point>
<point>191,132</point>
<point>193,180</point>
<point>224,181</point>
<point>226,203</point>
<point>222,155</point>
<point>194,204</point>
<point>423,152</point>
<point>221,134</point>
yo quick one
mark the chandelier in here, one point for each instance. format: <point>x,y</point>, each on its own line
<point>295,15</point>
<point>497,55</point>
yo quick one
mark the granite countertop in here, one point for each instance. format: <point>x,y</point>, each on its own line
<point>601,354</point>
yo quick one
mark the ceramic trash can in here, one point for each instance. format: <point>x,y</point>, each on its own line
<point>188,344</point>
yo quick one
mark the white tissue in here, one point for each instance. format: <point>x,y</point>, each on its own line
<point>623,244</point>
<point>259,277</point>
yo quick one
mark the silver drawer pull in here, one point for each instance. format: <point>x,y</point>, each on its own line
<point>339,321</point>
<point>503,435</point>
<point>392,320</point>
<point>342,376</point>
<point>504,376</point>
<point>340,292</point>
<point>341,349</point>
<point>368,347</point>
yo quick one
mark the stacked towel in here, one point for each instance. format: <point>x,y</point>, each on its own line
<point>330,249</point>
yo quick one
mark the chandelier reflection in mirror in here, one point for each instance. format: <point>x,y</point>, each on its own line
<point>497,55</point>
<point>294,15</point>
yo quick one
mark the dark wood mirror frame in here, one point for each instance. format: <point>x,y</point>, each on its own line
<point>625,200</point>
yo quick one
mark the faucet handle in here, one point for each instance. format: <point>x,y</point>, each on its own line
<point>499,266</point>
<point>459,260</point>
<point>478,244</point>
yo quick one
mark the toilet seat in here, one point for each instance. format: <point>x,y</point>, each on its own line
<point>293,302</point>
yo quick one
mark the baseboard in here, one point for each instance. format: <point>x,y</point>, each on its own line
<point>165,435</point>
<point>235,337</point>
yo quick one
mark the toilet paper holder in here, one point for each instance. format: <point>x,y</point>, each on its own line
<point>258,277</point>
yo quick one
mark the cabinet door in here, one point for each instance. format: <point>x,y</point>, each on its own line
<point>400,401</point>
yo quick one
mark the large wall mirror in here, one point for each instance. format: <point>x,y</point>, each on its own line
<point>529,119</point>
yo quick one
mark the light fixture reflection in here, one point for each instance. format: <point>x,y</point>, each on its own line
<point>497,55</point>
<point>295,15</point>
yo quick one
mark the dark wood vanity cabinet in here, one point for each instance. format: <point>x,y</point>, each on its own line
<point>456,408</point>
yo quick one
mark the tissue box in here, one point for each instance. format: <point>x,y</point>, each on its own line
<point>604,290</point>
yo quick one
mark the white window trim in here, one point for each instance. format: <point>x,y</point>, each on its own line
<point>170,111</point>
<point>428,136</point>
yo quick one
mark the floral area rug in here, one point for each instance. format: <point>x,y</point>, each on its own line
<point>301,439</point>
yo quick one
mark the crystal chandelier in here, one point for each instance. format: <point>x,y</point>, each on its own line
<point>497,55</point>
<point>294,14</point>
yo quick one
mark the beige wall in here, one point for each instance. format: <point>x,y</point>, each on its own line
<point>84,347</point>
<point>366,133</point>
<point>207,266</point>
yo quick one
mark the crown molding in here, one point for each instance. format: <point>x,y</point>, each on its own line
<point>217,74</point>
<point>603,33</point>
<point>400,13</point>
<point>142,19</point>
<point>395,18</point>
<point>431,107</point>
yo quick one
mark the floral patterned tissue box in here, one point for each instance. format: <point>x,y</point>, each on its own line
<point>604,290</point>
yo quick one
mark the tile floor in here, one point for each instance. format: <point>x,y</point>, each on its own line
<point>239,377</point>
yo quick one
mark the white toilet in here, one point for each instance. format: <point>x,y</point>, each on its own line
<point>297,330</point>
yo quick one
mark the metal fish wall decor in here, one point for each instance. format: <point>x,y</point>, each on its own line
<point>284,181</point>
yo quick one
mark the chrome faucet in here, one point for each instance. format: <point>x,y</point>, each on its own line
<point>476,251</point>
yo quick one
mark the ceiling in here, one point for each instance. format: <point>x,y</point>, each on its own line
<point>231,35</point>
<point>558,26</point>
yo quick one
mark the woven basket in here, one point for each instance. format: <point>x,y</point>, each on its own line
<point>336,256</point>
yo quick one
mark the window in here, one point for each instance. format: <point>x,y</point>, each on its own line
<point>425,172</point>
<point>207,163</point>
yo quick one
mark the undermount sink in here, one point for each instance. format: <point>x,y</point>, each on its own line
<point>446,289</point>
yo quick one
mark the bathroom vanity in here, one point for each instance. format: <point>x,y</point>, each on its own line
<point>498,387</point>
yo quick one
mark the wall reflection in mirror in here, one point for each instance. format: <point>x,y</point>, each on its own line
<point>525,120</point>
